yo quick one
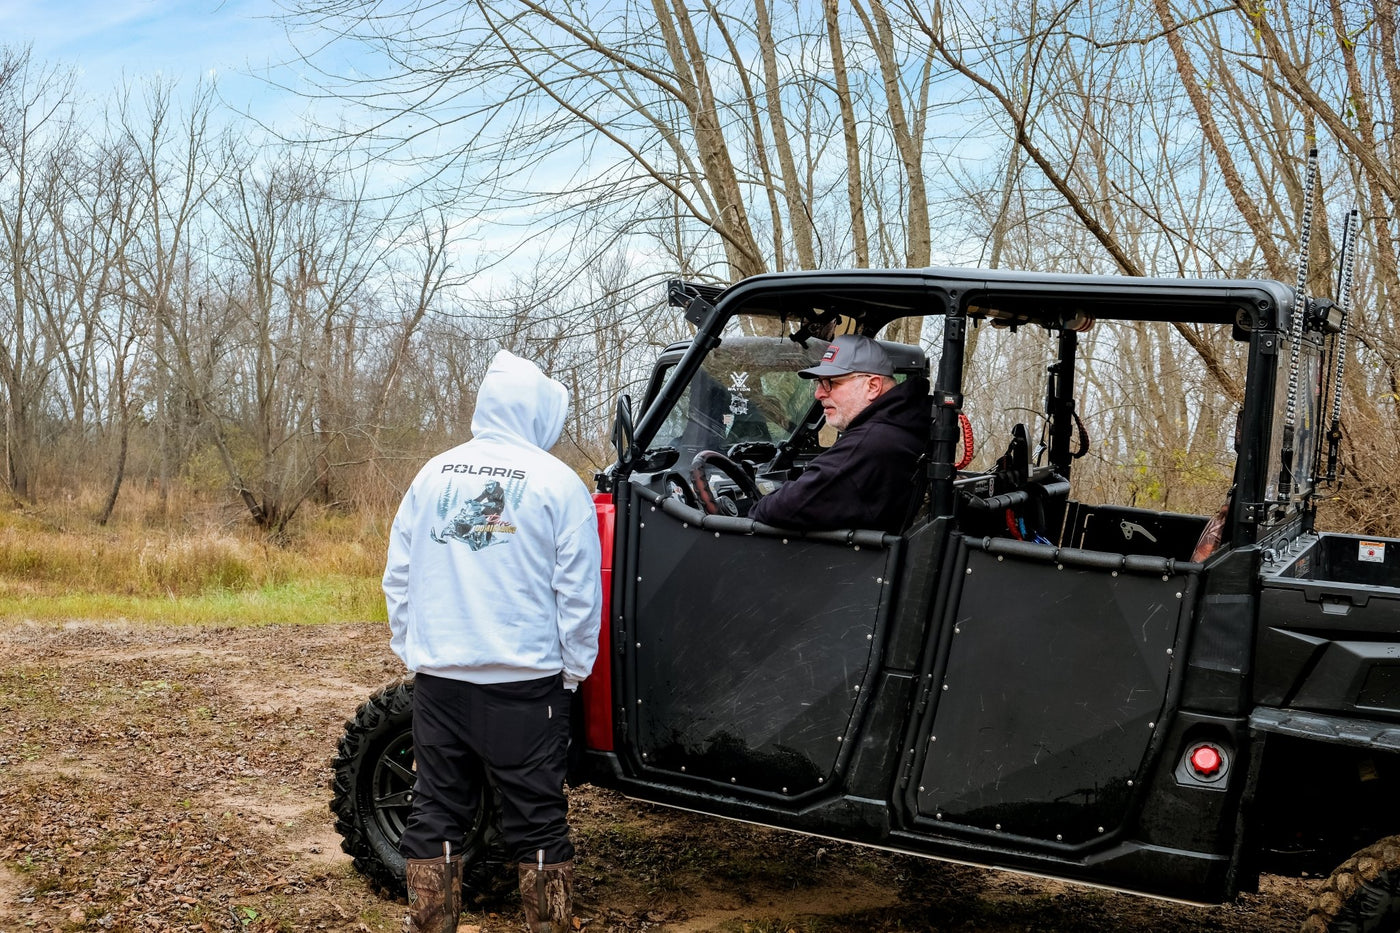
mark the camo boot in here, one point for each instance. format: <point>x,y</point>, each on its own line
<point>547,895</point>
<point>434,894</point>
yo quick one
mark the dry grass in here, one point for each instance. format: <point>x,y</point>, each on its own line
<point>205,566</point>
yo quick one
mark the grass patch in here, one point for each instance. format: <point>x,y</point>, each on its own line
<point>325,599</point>
<point>327,572</point>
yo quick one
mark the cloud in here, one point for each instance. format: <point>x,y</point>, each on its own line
<point>109,42</point>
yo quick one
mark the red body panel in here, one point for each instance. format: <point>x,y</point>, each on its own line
<point>597,689</point>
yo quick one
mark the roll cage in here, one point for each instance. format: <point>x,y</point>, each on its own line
<point>807,307</point>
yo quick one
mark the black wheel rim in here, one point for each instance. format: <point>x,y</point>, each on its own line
<point>391,787</point>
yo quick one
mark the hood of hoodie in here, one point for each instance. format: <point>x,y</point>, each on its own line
<point>517,401</point>
<point>905,405</point>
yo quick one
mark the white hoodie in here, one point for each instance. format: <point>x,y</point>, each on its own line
<point>493,567</point>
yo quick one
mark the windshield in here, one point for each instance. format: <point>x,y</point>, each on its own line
<point>747,389</point>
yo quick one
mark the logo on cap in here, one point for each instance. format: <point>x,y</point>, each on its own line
<point>830,353</point>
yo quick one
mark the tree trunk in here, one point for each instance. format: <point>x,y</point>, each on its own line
<point>111,503</point>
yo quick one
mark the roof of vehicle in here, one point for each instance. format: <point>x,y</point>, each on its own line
<point>877,296</point>
<point>907,358</point>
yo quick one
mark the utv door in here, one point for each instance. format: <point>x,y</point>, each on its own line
<point>745,653</point>
<point>1045,691</point>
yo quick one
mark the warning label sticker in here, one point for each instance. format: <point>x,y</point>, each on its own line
<point>1372,551</point>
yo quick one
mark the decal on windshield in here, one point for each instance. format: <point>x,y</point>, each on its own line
<point>738,393</point>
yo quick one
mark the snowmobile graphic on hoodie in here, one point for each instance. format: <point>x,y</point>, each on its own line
<point>478,522</point>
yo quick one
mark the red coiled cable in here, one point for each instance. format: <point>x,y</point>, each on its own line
<point>967,445</point>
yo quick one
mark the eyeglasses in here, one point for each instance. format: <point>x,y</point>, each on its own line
<point>827,383</point>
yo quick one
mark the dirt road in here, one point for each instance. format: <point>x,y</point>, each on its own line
<point>175,778</point>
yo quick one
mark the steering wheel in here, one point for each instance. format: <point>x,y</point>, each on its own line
<point>700,467</point>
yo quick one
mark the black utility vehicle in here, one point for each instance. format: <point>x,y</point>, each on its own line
<point>1025,677</point>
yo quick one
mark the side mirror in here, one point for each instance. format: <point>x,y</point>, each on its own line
<point>653,461</point>
<point>624,434</point>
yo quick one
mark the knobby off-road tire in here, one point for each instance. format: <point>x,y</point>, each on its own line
<point>1362,895</point>
<point>372,793</point>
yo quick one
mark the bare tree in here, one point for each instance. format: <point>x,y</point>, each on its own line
<point>1284,78</point>
<point>301,245</point>
<point>419,291</point>
<point>176,162</point>
<point>723,107</point>
<point>35,120</point>
<point>92,215</point>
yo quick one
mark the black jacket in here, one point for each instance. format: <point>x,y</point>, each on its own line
<point>865,479</point>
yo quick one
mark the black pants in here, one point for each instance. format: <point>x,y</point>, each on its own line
<point>520,733</point>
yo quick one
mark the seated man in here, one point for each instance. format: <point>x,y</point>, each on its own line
<point>864,479</point>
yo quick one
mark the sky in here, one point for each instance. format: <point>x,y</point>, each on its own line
<point>242,44</point>
<point>112,41</point>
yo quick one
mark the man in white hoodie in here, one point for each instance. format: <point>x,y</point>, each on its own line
<point>494,596</point>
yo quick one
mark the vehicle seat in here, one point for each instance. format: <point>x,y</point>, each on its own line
<point>1213,535</point>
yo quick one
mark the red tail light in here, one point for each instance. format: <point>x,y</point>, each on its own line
<point>1206,760</point>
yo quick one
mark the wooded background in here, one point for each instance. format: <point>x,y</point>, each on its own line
<point>194,305</point>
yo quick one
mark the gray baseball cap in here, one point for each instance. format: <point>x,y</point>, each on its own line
<point>851,353</point>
